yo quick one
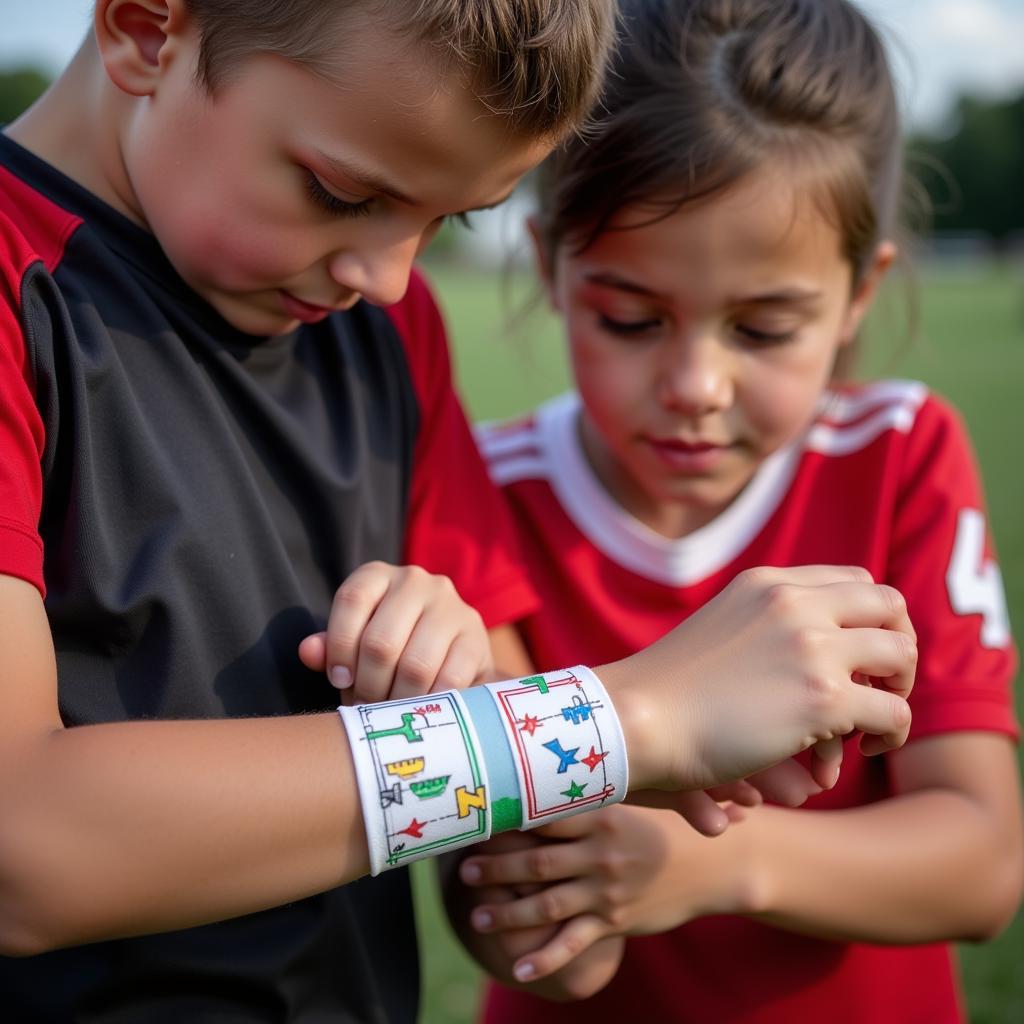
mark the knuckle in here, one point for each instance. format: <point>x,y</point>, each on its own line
<point>782,598</point>
<point>417,670</point>
<point>379,647</point>
<point>573,944</point>
<point>906,648</point>
<point>809,642</point>
<point>549,903</point>
<point>894,600</point>
<point>755,578</point>
<point>538,863</point>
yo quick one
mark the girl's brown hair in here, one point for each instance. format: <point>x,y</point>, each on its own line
<point>702,92</point>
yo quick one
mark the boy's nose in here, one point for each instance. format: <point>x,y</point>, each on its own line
<point>697,378</point>
<point>379,274</point>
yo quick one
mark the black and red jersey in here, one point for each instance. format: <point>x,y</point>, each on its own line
<point>188,498</point>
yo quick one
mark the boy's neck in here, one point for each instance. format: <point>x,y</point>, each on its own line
<point>75,126</point>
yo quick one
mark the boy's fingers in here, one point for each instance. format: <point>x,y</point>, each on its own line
<point>382,645</point>
<point>575,937</point>
<point>313,652</point>
<point>354,603</point>
<point>424,657</point>
<point>548,906</point>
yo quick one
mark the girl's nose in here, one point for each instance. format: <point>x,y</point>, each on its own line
<point>697,377</point>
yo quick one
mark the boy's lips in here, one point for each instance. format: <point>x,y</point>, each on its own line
<point>307,312</point>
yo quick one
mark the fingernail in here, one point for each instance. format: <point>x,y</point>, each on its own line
<point>341,677</point>
<point>482,920</point>
<point>524,972</point>
<point>470,872</point>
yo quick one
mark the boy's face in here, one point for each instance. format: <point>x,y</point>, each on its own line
<point>286,195</point>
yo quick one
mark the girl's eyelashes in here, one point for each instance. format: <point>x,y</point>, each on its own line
<point>331,203</point>
<point>627,328</point>
<point>765,337</point>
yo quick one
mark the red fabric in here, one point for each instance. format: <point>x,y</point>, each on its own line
<point>458,523</point>
<point>32,230</point>
<point>892,505</point>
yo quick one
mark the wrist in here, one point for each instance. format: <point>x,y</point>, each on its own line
<point>638,718</point>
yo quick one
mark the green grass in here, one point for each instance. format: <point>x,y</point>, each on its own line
<point>970,349</point>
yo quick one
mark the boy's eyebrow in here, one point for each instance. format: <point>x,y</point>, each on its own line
<point>374,182</point>
<point>366,178</point>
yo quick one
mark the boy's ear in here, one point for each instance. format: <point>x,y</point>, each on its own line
<point>864,294</point>
<point>542,257</point>
<point>134,37</point>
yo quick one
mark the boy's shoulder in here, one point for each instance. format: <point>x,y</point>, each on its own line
<point>32,227</point>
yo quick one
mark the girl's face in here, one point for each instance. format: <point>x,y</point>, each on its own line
<point>701,343</point>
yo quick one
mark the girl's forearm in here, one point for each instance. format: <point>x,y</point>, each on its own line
<point>924,867</point>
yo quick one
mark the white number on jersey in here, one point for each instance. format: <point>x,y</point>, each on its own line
<point>974,583</point>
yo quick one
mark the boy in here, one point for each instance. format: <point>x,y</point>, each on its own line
<point>204,430</point>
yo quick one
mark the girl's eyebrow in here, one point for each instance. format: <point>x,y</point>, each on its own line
<point>623,284</point>
<point>785,297</point>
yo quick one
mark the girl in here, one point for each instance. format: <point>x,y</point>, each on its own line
<point>713,250</point>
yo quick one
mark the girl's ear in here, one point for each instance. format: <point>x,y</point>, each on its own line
<point>136,38</point>
<point>542,257</point>
<point>864,294</point>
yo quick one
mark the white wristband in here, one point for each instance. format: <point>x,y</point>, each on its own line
<point>566,740</point>
<point>422,780</point>
<point>555,748</point>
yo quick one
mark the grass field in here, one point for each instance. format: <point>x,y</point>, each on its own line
<point>970,348</point>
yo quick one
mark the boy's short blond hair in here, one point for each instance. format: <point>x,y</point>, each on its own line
<point>537,63</point>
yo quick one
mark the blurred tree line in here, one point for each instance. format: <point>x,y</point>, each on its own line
<point>973,173</point>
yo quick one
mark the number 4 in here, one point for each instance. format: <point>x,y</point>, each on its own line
<point>974,583</point>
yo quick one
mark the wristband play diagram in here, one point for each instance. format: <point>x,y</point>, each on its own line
<point>445,770</point>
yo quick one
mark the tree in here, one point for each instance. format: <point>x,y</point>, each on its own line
<point>982,188</point>
<point>19,88</point>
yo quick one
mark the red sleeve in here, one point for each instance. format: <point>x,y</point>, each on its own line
<point>458,523</point>
<point>21,429</point>
<point>942,559</point>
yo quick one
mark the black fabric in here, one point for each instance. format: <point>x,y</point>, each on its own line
<point>205,492</point>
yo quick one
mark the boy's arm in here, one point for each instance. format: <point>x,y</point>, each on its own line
<point>119,829</point>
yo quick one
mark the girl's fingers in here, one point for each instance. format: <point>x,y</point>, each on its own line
<point>382,645</point>
<point>313,652</point>
<point>826,762</point>
<point>883,715</point>
<point>575,937</point>
<point>548,906</point>
<point>812,575</point>
<point>858,604</point>
<point>546,862</point>
<point>788,783</point>
<point>701,812</point>
<point>889,656</point>
<point>742,792</point>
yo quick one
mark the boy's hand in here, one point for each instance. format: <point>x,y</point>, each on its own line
<point>623,870</point>
<point>398,631</point>
<point>768,668</point>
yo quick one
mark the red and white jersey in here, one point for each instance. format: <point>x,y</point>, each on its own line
<point>885,479</point>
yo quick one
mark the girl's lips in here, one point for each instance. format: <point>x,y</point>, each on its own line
<point>304,311</point>
<point>688,457</point>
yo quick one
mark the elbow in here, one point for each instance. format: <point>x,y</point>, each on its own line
<point>998,902</point>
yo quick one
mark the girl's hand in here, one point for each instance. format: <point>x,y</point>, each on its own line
<point>623,870</point>
<point>768,668</point>
<point>711,811</point>
<point>398,631</point>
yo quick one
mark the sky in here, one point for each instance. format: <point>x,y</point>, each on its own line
<point>944,46</point>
